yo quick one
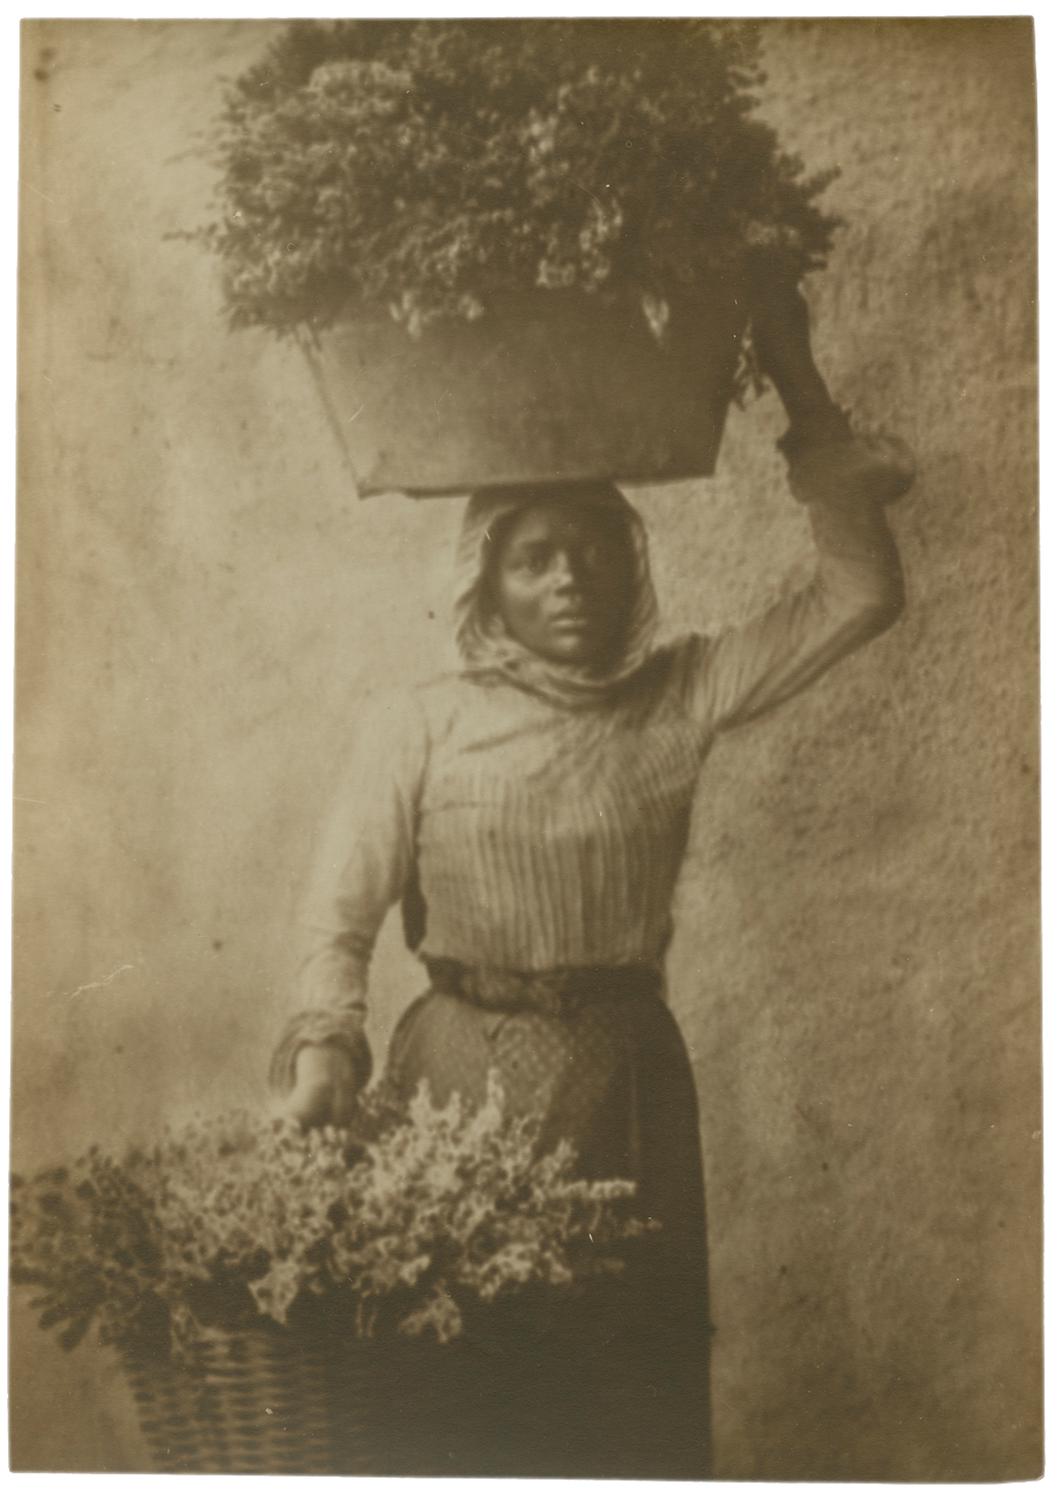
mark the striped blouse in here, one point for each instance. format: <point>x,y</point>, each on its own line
<point>545,836</point>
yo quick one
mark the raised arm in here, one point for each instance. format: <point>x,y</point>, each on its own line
<point>362,865</point>
<point>844,480</point>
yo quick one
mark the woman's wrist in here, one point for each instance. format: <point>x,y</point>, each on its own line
<point>320,1031</point>
<point>874,468</point>
<point>815,427</point>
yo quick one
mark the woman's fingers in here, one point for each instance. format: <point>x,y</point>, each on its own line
<point>361,1060</point>
<point>327,1082</point>
<point>344,1098</point>
<point>310,1104</point>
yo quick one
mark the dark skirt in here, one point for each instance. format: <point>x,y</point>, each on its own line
<point>621,1390</point>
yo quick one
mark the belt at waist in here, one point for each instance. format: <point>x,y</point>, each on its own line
<point>554,991</point>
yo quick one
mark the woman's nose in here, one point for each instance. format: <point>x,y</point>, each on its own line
<point>568,572</point>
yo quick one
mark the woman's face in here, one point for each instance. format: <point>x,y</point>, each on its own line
<point>562,579</point>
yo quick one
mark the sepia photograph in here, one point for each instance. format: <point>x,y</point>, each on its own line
<point>526,927</point>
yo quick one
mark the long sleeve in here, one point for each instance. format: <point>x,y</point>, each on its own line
<point>856,593</point>
<point>363,860</point>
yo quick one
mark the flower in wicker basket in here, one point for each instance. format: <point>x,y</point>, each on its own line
<point>239,1265</point>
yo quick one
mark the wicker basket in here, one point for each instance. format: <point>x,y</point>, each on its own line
<point>267,1402</point>
<point>522,1401</point>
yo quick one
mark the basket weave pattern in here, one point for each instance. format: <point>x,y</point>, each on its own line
<point>546,1405</point>
<point>269,1403</point>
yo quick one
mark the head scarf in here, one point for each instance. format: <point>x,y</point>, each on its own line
<point>486,647</point>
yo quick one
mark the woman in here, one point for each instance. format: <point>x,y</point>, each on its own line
<point>533,811</point>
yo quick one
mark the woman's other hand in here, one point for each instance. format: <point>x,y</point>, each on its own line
<point>825,456</point>
<point>780,328</point>
<point>327,1080</point>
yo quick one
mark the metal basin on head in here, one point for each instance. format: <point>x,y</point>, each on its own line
<point>545,386</point>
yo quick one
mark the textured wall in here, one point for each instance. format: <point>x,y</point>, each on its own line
<point>856,962</point>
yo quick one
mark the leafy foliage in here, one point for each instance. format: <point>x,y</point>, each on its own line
<point>406,1222</point>
<point>430,165</point>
